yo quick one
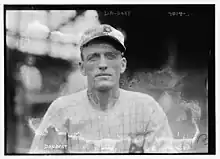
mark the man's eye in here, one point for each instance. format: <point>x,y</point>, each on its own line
<point>93,58</point>
<point>111,55</point>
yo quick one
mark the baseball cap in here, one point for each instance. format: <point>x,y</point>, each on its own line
<point>103,30</point>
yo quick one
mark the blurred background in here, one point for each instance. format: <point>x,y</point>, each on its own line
<point>168,51</point>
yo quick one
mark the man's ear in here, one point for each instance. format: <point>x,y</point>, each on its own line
<point>82,68</point>
<point>123,64</point>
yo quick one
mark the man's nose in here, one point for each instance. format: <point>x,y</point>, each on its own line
<point>103,64</point>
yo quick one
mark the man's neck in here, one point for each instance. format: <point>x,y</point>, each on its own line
<point>103,100</point>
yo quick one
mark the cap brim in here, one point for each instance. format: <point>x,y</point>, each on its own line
<point>108,38</point>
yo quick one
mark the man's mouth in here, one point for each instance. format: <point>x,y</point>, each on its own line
<point>102,74</point>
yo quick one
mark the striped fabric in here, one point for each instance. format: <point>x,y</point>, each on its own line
<point>136,124</point>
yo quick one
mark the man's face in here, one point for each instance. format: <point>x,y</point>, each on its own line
<point>102,64</point>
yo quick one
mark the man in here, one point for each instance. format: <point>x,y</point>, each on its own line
<point>103,117</point>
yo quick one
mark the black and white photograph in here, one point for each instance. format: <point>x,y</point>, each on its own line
<point>109,79</point>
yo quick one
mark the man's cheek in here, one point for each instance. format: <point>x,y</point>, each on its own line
<point>90,71</point>
<point>117,69</point>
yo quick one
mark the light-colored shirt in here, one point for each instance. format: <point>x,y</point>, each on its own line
<point>136,123</point>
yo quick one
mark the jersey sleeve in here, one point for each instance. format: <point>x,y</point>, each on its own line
<point>50,137</point>
<point>159,138</point>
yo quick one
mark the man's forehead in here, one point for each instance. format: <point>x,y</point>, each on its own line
<point>101,47</point>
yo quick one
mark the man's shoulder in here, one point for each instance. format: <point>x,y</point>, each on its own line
<point>60,109</point>
<point>141,100</point>
<point>138,96</point>
<point>72,100</point>
<point>142,103</point>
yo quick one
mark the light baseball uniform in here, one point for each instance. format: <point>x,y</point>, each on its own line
<point>72,125</point>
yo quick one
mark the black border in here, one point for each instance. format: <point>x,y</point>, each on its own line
<point>188,7</point>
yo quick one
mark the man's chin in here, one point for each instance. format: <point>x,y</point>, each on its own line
<point>104,87</point>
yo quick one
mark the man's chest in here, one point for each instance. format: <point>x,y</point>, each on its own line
<point>104,132</point>
<point>118,124</point>
<point>90,131</point>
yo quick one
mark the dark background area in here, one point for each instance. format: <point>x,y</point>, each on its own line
<point>149,27</point>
